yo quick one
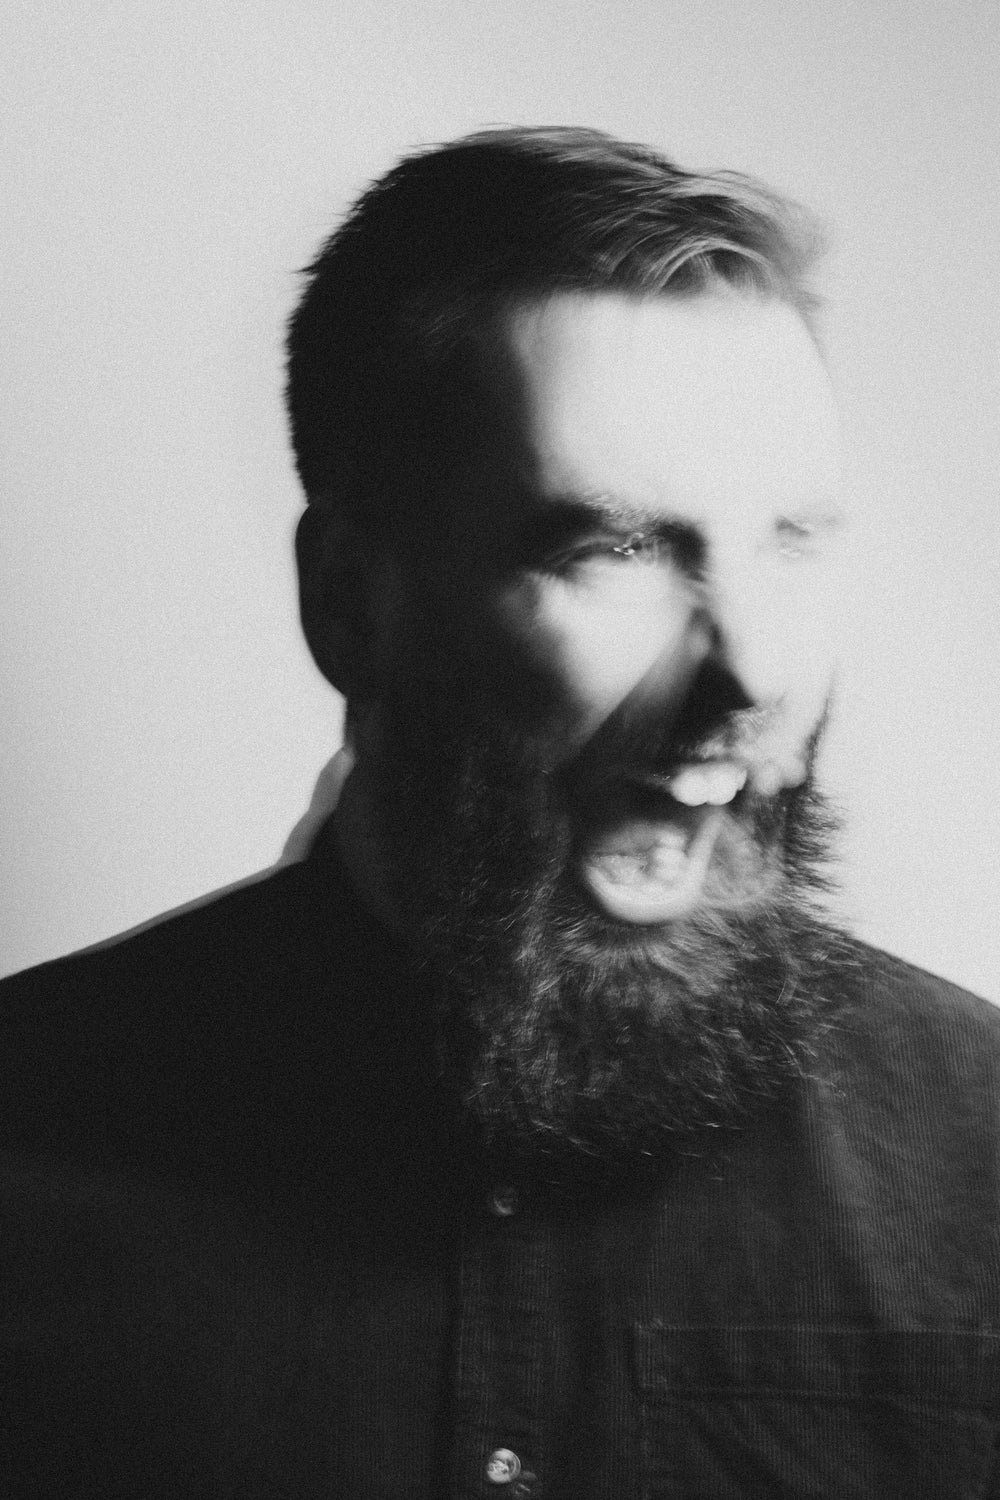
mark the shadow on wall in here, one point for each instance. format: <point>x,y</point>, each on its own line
<point>322,803</point>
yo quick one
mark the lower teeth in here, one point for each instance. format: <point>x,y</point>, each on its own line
<point>667,864</point>
<point>660,864</point>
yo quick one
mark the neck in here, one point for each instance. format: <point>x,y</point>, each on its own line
<point>363,851</point>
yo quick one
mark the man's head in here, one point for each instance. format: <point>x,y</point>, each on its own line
<point>571,458</point>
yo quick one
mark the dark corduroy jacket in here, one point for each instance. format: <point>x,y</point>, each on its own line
<point>246,1254</point>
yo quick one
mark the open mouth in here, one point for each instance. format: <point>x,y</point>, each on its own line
<point>647,841</point>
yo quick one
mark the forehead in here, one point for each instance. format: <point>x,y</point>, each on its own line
<point>683,404</point>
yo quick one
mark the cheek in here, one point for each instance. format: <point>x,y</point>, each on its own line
<point>595,639</point>
<point>795,665</point>
<point>781,622</point>
<point>794,652</point>
<point>817,613</point>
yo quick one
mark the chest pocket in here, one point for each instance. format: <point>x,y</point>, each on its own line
<point>800,1412</point>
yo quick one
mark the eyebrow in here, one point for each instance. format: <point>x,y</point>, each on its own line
<point>604,508</point>
<point>609,512</point>
<point>557,521</point>
<point>560,518</point>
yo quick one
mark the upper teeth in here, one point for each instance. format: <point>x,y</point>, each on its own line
<point>716,784</point>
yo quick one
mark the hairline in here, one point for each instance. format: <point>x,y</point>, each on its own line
<point>757,245</point>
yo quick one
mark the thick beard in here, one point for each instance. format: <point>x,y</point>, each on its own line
<point>575,1043</point>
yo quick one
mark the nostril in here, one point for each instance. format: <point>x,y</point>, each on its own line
<point>715,694</point>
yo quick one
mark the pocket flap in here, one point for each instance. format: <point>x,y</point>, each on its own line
<point>954,1367</point>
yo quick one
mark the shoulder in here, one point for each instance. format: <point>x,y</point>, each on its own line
<point>213,930</point>
<point>75,1021</point>
<point>281,928</point>
<point>901,993</point>
<point>191,1024</point>
<point>920,1040</point>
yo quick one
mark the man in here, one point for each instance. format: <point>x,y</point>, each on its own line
<point>536,1135</point>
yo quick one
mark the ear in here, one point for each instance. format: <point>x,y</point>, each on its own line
<point>336,579</point>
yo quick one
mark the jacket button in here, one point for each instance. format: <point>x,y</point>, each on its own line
<point>504,1202</point>
<point>502,1466</point>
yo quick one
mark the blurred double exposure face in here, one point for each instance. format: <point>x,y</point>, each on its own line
<point>590,750</point>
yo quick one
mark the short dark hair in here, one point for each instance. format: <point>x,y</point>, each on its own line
<point>435,246</point>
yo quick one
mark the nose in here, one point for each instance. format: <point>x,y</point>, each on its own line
<point>724,675</point>
<point>688,693</point>
<point>710,690</point>
<point>735,624</point>
<point>714,696</point>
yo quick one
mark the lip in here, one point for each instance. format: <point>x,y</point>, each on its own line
<point>656,775</point>
<point>650,791</point>
<point>642,824</point>
<point>728,770</point>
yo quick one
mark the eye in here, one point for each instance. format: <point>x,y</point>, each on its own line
<point>637,546</point>
<point>800,536</point>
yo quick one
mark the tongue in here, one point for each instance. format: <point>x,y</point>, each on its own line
<point>645,871</point>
